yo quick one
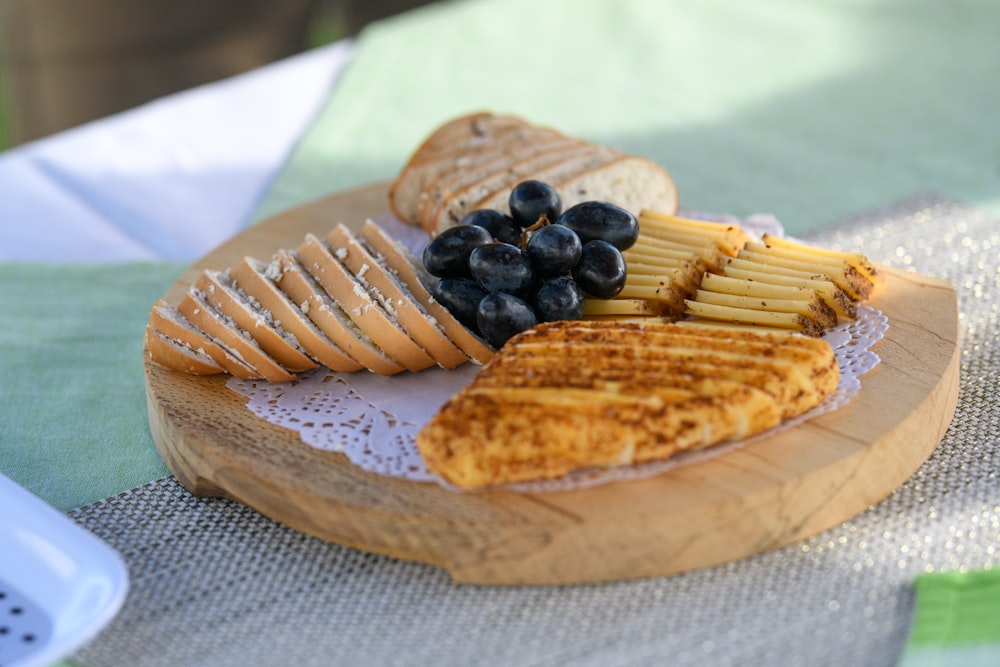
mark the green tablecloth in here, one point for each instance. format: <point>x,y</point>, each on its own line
<point>812,111</point>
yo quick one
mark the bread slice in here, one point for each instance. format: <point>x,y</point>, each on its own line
<point>168,322</point>
<point>480,167</point>
<point>328,316</point>
<point>404,193</point>
<point>171,353</point>
<point>360,305</point>
<point>394,297</point>
<point>246,313</point>
<point>445,148</point>
<point>407,270</point>
<point>465,132</point>
<point>570,395</point>
<point>494,191</point>
<point>256,279</point>
<point>593,157</point>
<point>632,182</point>
<point>237,341</point>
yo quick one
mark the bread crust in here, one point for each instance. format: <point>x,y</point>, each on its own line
<point>441,151</point>
<point>496,187</point>
<point>173,354</point>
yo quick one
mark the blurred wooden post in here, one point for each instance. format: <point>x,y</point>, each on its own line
<point>70,61</point>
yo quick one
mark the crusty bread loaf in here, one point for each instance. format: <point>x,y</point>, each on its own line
<point>632,183</point>
<point>593,158</point>
<point>494,191</point>
<point>570,395</point>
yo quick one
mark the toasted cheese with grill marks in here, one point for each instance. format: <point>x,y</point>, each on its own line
<point>566,396</point>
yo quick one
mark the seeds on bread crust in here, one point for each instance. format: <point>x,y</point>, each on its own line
<point>359,304</point>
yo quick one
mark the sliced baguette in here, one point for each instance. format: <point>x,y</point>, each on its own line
<point>168,321</point>
<point>225,297</point>
<point>257,279</point>
<point>238,342</point>
<point>175,355</point>
<point>408,270</point>
<point>394,297</point>
<point>380,326</point>
<point>329,317</point>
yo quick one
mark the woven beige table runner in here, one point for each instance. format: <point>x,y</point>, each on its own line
<point>215,583</point>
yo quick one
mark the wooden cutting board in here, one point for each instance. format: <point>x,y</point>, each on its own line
<point>765,495</point>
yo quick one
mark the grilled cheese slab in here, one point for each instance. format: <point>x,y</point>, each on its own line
<point>571,395</point>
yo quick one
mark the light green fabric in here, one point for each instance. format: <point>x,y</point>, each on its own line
<point>957,620</point>
<point>810,110</point>
<point>73,425</point>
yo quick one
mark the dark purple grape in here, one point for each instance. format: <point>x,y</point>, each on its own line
<point>461,297</point>
<point>593,220</point>
<point>601,271</point>
<point>447,255</point>
<point>501,227</point>
<point>501,315</point>
<point>554,249</point>
<point>559,298</point>
<point>529,200</point>
<point>501,267</point>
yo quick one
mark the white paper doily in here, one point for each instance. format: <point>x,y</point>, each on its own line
<point>374,420</point>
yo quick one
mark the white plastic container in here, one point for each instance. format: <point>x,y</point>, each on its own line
<point>59,584</point>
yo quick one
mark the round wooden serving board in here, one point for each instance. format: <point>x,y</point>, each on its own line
<point>768,494</point>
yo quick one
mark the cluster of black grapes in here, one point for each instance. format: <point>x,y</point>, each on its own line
<point>501,274</point>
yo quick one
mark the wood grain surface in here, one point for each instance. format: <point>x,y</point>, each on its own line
<point>765,495</point>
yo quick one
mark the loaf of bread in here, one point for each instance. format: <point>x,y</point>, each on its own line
<point>345,301</point>
<point>474,161</point>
